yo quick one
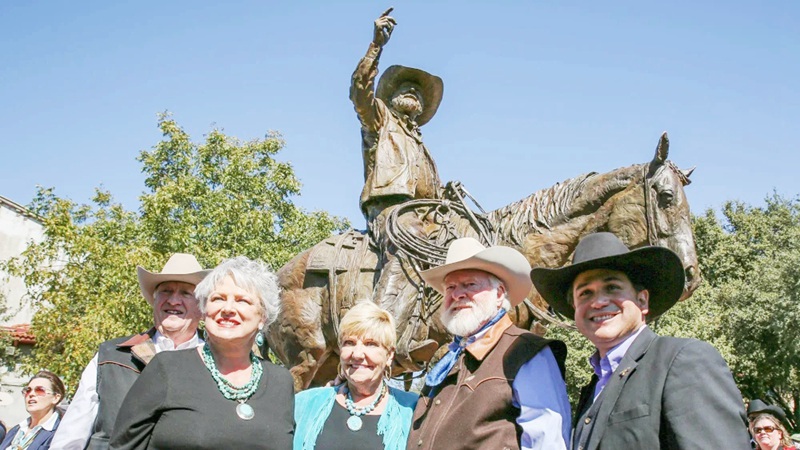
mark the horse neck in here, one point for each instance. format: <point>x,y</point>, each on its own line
<point>561,203</point>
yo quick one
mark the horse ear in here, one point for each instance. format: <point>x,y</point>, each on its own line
<point>662,151</point>
<point>685,174</point>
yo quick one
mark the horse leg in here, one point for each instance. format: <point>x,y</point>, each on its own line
<point>297,336</point>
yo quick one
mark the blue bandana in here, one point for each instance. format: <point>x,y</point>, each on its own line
<point>439,372</point>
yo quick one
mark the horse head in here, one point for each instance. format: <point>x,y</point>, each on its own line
<point>643,204</point>
<point>654,211</point>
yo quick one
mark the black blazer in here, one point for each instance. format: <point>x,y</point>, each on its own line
<point>40,442</point>
<point>667,393</point>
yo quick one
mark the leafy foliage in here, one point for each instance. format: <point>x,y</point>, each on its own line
<point>749,306</point>
<point>217,199</point>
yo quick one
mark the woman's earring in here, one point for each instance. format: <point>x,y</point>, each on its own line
<point>260,335</point>
<point>387,372</point>
<point>205,335</point>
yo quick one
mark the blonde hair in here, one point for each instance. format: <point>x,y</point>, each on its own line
<point>786,440</point>
<point>366,319</point>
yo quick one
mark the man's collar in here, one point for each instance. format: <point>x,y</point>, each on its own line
<point>484,344</point>
<point>139,338</point>
<point>615,355</point>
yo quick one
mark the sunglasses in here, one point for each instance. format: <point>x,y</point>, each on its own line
<point>40,391</point>
<point>767,429</point>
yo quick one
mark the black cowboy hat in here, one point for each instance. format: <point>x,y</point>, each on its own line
<point>431,87</point>
<point>657,269</point>
<point>757,407</point>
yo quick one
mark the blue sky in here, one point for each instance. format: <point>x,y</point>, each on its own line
<point>535,92</point>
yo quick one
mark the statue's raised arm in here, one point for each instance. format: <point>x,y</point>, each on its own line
<point>362,89</point>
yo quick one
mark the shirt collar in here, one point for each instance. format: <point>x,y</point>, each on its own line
<point>604,367</point>
<point>164,343</point>
<point>49,424</point>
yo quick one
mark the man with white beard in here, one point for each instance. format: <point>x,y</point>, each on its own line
<point>498,387</point>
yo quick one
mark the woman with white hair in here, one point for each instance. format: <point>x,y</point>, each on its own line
<point>219,395</point>
<point>364,412</point>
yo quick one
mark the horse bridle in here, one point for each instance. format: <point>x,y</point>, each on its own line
<point>650,205</point>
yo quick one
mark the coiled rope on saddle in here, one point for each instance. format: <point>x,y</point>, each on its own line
<point>426,252</point>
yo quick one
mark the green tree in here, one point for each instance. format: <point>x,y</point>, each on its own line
<point>217,199</point>
<point>749,305</point>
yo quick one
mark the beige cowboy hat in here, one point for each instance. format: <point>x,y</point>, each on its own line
<point>431,86</point>
<point>657,269</point>
<point>180,267</point>
<point>507,264</point>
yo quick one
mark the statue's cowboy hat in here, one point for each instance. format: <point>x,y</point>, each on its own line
<point>657,269</point>
<point>431,88</point>
<point>507,264</point>
<point>180,267</point>
<point>757,406</point>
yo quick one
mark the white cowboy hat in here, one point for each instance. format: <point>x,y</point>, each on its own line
<point>180,267</point>
<point>507,264</point>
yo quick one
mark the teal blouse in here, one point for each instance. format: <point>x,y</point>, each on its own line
<point>313,406</point>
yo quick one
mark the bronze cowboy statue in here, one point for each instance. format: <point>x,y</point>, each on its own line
<point>397,165</point>
<point>411,219</point>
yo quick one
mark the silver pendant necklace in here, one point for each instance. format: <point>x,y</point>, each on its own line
<point>354,422</point>
<point>244,411</point>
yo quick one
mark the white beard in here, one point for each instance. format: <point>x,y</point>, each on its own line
<point>466,322</point>
<point>408,105</point>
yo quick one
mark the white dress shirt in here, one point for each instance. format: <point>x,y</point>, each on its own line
<point>76,426</point>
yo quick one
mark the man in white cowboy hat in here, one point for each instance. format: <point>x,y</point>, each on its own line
<point>498,387</point>
<point>648,391</point>
<point>89,420</point>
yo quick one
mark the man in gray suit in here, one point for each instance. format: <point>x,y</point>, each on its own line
<point>648,391</point>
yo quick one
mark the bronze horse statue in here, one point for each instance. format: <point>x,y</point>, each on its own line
<point>643,204</point>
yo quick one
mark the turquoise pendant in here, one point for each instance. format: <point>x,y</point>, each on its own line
<point>354,423</point>
<point>245,411</point>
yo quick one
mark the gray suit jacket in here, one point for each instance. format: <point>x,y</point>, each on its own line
<point>667,393</point>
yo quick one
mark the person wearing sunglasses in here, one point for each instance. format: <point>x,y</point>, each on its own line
<point>42,395</point>
<point>766,426</point>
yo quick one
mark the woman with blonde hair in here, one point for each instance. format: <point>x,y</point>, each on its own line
<point>363,412</point>
<point>769,433</point>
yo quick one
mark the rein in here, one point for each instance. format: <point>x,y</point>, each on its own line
<point>649,207</point>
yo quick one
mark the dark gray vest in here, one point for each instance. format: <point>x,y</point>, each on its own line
<point>118,367</point>
<point>584,420</point>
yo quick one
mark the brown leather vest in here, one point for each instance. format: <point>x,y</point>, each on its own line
<point>472,408</point>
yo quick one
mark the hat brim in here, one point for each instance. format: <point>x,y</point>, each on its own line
<point>657,269</point>
<point>432,88</point>
<point>505,263</point>
<point>148,281</point>
<point>759,407</point>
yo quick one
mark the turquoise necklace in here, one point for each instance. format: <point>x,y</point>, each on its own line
<point>354,423</point>
<point>231,392</point>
